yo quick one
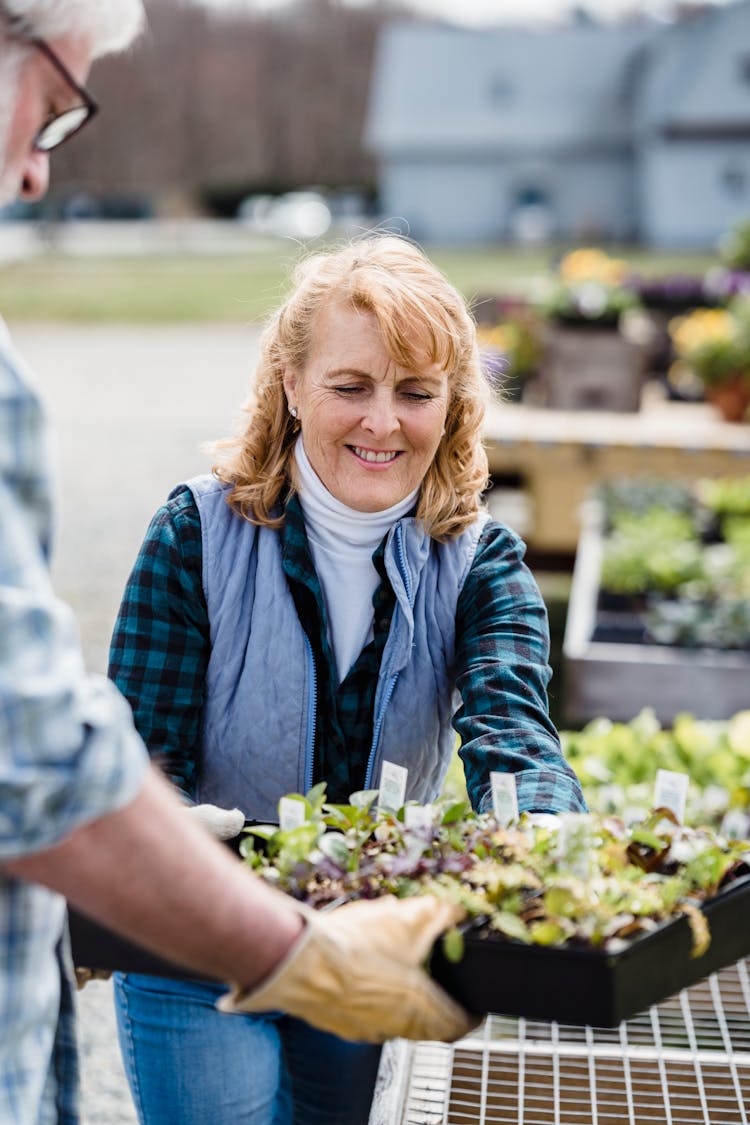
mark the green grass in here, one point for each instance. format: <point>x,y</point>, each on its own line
<point>237,289</point>
<point>152,290</point>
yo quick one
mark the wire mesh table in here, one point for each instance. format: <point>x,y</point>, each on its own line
<point>685,1061</point>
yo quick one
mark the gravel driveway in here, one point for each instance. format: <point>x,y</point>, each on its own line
<point>131,408</point>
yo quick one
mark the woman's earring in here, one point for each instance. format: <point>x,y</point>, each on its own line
<point>293,411</point>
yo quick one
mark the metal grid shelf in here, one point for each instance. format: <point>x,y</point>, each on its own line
<point>685,1061</point>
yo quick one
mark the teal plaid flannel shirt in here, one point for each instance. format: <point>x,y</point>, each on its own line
<point>161,646</point>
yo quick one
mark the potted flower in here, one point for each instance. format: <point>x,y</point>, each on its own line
<point>590,290</point>
<point>664,297</point>
<point>713,345</point>
<point>588,361</point>
<point>509,331</point>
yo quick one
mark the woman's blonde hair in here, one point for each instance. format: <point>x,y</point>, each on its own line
<point>420,314</point>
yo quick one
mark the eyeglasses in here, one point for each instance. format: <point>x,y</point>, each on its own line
<point>66,124</point>
<point>63,125</point>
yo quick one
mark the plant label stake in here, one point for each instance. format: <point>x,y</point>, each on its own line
<point>735,824</point>
<point>291,813</point>
<point>418,816</point>
<point>504,798</point>
<point>575,851</point>
<point>392,786</point>
<point>671,792</point>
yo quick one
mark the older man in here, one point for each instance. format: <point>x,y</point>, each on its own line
<point>82,814</point>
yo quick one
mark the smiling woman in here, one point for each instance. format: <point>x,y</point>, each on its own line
<point>310,613</point>
<point>374,427</point>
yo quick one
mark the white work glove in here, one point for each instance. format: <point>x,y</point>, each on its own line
<point>222,824</point>
<point>356,972</point>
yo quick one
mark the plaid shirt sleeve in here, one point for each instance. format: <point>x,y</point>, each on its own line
<point>160,646</point>
<point>502,673</point>
<point>69,750</point>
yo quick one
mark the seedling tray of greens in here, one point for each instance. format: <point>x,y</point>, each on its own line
<point>676,563</point>
<point>580,919</point>
<point>583,920</point>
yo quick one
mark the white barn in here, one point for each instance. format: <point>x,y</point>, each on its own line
<point>580,132</point>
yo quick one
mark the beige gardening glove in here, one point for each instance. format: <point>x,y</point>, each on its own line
<point>84,976</point>
<point>356,971</point>
<point>222,824</point>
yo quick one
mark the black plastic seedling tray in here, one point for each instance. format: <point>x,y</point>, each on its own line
<point>577,986</point>
<point>572,986</point>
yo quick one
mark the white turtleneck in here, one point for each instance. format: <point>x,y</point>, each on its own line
<point>342,542</point>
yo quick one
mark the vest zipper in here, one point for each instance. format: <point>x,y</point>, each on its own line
<point>312,710</point>
<point>403,570</point>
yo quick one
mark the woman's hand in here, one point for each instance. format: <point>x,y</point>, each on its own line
<point>222,824</point>
<point>356,972</point>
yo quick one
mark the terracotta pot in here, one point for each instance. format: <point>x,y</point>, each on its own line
<point>731,398</point>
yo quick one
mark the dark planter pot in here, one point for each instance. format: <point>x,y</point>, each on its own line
<point>710,529</point>
<point>608,601</point>
<point>677,393</point>
<point>587,323</point>
<point>591,368</point>
<point>618,628</point>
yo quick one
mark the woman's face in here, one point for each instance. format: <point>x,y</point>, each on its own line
<point>370,428</point>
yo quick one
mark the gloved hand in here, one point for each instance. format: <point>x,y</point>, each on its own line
<point>356,971</point>
<point>223,824</point>
<point>83,976</point>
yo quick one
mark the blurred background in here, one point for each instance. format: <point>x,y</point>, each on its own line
<point>581,173</point>
<point>568,167</point>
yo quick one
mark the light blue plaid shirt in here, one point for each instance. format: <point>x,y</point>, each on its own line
<point>68,754</point>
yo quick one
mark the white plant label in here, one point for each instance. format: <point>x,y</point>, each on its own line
<point>670,792</point>
<point>735,825</point>
<point>575,844</point>
<point>291,813</point>
<point>504,798</point>
<point>419,816</point>
<point>392,786</point>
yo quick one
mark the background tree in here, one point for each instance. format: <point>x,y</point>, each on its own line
<point>210,107</point>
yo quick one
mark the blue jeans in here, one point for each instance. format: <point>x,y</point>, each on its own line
<point>188,1064</point>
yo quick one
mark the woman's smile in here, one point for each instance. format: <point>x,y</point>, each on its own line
<point>382,457</point>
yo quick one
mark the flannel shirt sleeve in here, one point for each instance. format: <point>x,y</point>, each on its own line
<point>502,672</point>
<point>161,645</point>
<point>68,750</point>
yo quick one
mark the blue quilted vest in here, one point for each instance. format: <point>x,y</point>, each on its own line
<point>260,703</point>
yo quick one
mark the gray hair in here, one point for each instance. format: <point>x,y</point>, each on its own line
<point>108,25</point>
